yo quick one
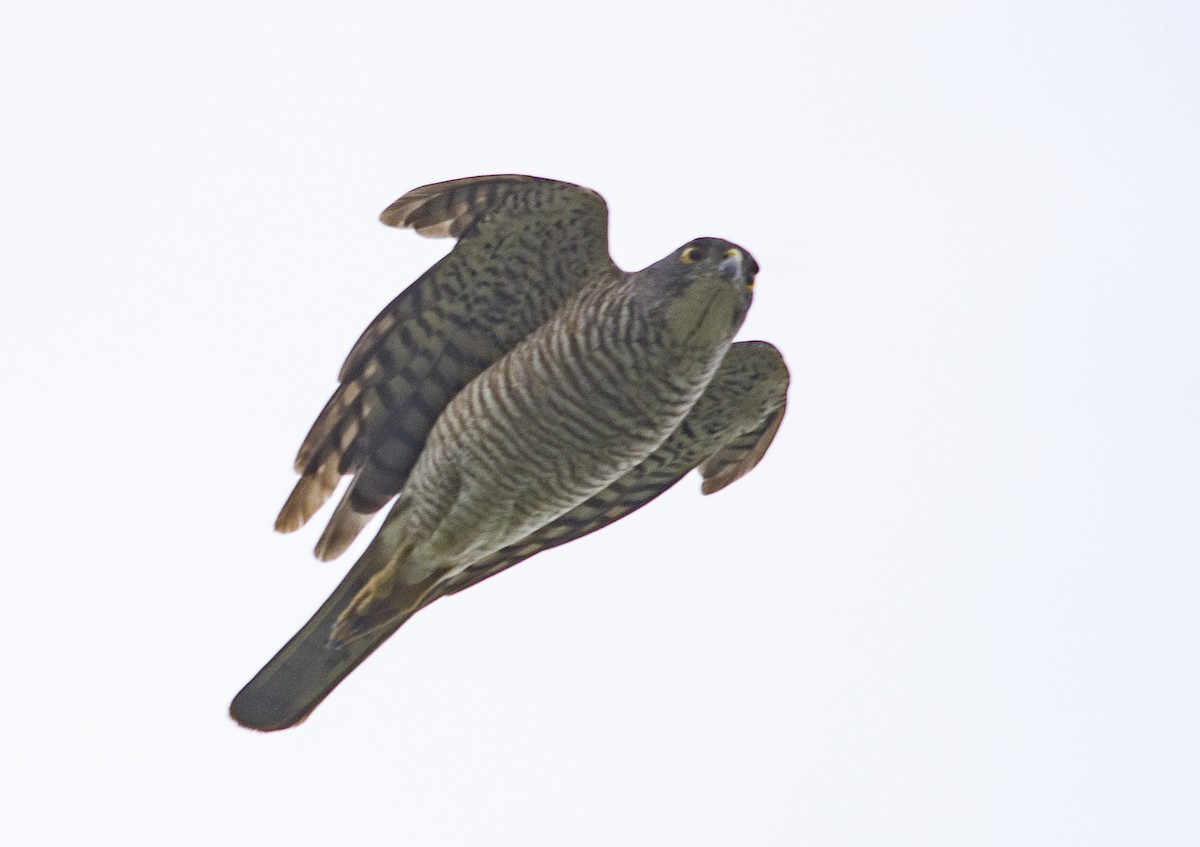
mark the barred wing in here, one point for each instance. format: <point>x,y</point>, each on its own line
<point>525,246</point>
<point>741,455</point>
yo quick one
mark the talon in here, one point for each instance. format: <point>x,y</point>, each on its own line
<point>347,628</point>
<point>377,588</point>
<point>339,637</point>
<point>352,622</point>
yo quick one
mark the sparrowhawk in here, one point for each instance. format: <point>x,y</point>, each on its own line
<point>523,392</point>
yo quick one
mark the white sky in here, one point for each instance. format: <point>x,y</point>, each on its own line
<point>958,604</point>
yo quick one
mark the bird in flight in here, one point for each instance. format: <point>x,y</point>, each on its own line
<point>522,393</point>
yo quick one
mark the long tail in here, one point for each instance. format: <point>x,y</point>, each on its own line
<point>303,673</point>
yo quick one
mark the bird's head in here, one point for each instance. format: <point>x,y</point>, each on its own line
<point>704,289</point>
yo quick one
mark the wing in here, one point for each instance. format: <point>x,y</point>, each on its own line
<point>525,245</point>
<point>745,399</point>
<point>737,458</point>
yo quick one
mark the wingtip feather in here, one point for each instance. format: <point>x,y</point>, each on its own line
<point>309,495</point>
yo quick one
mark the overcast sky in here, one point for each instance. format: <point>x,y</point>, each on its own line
<point>957,604</point>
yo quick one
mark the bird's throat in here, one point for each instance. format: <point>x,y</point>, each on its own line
<point>703,316</point>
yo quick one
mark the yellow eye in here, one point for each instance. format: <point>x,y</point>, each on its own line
<point>691,255</point>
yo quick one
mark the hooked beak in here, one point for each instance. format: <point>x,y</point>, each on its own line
<point>736,267</point>
<point>731,266</point>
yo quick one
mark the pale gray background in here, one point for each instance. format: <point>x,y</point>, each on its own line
<point>958,603</point>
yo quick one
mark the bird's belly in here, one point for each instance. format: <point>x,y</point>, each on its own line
<point>501,503</point>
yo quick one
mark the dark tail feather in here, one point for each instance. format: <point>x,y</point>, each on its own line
<point>303,673</point>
